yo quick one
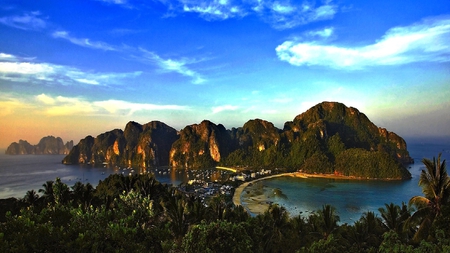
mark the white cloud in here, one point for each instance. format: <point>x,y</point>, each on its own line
<point>170,65</point>
<point>26,68</point>
<point>427,41</point>
<point>280,8</point>
<point>222,108</point>
<point>62,106</point>
<point>45,99</point>
<point>16,69</point>
<point>28,21</point>
<point>322,33</point>
<point>279,14</point>
<point>84,42</point>
<point>212,10</point>
<point>7,57</point>
<point>87,81</point>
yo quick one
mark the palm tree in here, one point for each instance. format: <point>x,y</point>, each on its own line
<point>329,220</point>
<point>435,185</point>
<point>174,208</point>
<point>373,229</point>
<point>218,207</point>
<point>31,197</point>
<point>47,192</point>
<point>82,194</point>
<point>394,217</point>
<point>275,225</point>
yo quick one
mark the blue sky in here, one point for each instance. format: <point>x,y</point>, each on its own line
<point>77,68</point>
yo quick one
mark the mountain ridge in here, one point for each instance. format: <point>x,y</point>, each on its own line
<point>314,141</point>
<point>48,145</point>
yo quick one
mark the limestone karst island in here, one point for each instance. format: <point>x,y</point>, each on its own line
<point>329,138</point>
<point>49,145</point>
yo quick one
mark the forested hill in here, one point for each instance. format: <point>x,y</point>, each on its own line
<point>328,138</point>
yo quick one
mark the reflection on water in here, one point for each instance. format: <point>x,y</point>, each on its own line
<point>26,172</point>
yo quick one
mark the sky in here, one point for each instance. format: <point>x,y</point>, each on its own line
<point>76,68</point>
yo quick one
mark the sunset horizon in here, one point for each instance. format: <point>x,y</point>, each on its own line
<point>182,62</point>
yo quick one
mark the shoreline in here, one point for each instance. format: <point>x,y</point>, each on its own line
<point>260,205</point>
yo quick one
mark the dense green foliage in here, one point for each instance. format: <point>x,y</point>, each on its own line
<point>138,214</point>
<point>321,140</point>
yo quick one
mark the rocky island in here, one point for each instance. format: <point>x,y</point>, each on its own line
<point>329,138</point>
<point>49,145</point>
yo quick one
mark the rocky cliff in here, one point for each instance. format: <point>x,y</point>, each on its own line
<point>200,145</point>
<point>353,127</point>
<point>314,142</point>
<point>49,145</point>
<point>322,139</point>
<point>138,145</point>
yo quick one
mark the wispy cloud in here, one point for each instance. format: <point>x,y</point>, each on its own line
<point>122,3</point>
<point>13,68</point>
<point>62,106</point>
<point>213,10</point>
<point>222,108</point>
<point>27,21</point>
<point>324,33</point>
<point>279,14</point>
<point>171,65</point>
<point>84,42</point>
<point>284,14</point>
<point>426,41</point>
<point>10,104</point>
<point>168,65</point>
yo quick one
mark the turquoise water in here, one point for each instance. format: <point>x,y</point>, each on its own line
<point>351,198</point>
<point>18,174</point>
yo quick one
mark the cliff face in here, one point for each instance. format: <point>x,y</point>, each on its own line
<point>47,146</point>
<point>200,145</point>
<point>323,139</point>
<point>354,128</point>
<point>141,145</point>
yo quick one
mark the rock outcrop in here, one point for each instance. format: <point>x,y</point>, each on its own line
<point>138,145</point>
<point>49,145</point>
<point>200,145</point>
<point>314,141</point>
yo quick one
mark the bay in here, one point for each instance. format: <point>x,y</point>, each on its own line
<point>21,173</point>
<point>351,198</point>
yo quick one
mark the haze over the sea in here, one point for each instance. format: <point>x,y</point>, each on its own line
<point>78,68</point>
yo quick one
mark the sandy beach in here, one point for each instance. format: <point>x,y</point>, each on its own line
<point>259,203</point>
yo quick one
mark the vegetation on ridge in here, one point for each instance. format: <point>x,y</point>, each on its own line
<point>321,140</point>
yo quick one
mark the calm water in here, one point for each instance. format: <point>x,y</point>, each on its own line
<point>21,173</point>
<point>351,198</point>
<point>18,174</point>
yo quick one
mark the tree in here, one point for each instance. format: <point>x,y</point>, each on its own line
<point>218,236</point>
<point>435,184</point>
<point>328,219</point>
<point>394,217</point>
<point>31,197</point>
<point>174,208</point>
<point>47,192</point>
<point>60,191</point>
<point>275,228</point>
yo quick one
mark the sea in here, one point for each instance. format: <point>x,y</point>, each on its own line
<point>351,198</point>
<point>21,173</point>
